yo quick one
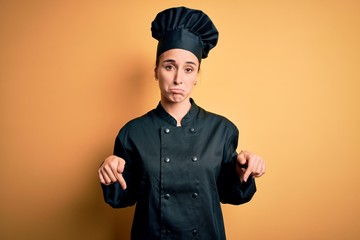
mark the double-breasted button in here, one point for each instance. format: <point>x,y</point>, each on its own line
<point>194,158</point>
<point>195,232</point>
<point>167,196</point>
<point>195,195</point>
<point>191,130</point>
<point>166,232</point>
<point>167,160</point>
<point>166,130</point>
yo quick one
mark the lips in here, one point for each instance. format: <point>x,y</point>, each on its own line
<point>176,90</point>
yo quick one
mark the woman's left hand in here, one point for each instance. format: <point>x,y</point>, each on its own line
<point>249,164</point>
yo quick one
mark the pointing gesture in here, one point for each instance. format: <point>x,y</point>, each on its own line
<point>249,164</point>
<point>111,171</point>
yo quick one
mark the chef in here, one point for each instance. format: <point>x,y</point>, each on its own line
<point>179,162</point>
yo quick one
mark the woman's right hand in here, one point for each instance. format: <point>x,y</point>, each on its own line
<point>111,171</point>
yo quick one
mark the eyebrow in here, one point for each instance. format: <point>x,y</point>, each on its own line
<point>173,61</point>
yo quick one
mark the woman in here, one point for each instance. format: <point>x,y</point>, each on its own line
<point>178,162</point>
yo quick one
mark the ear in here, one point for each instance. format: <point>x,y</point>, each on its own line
<point>155,73</point>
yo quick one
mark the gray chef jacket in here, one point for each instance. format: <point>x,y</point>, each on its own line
<point>177,176</point>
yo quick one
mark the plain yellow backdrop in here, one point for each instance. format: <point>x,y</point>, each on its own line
<point>287,73</point>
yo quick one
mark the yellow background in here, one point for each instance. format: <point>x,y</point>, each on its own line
<point>287,73</point>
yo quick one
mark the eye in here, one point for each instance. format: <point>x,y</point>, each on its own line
<point>189,70</point>
<point>169,67</point>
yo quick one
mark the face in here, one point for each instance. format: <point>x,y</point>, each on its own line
<point>176,72</point>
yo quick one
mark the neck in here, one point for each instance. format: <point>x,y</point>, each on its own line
<point>177,110</point>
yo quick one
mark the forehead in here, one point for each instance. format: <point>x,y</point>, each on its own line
<point>179,55</point>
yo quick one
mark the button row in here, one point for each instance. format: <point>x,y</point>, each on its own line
<point>167,159</point>
<point>167,232</point>
<point>167,130</point>
<point>194,195</point>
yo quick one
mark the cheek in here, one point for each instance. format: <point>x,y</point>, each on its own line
<point>192,80</point>
<point>157,74</point>
<point>162,82</point>
<point>164,77</point>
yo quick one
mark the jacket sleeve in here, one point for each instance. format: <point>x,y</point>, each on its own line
<point>230,188</point>
<point>113,194</point>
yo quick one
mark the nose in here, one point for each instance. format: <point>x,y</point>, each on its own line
<point>178,77</point>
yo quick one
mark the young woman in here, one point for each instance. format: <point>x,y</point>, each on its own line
<point>178,162</point>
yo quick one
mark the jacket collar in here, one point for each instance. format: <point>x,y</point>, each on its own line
<point>186,119</point>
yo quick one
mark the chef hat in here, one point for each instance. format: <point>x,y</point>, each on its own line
<point>184,28</point>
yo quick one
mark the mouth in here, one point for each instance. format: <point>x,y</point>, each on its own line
<point>176,90</point>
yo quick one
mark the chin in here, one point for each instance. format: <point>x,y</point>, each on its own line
<point>176,98</point>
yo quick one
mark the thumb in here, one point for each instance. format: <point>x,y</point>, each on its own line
<point>242,158</point>
<point>121,180</point>
<point>119,175</point>
<point>243,166</point>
